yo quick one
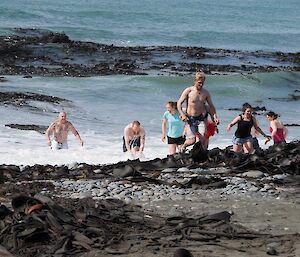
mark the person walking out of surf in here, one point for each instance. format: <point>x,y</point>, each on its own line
<point>196,115</point>
<point>242,137</point>
<point>277,129</point>
<point>134,140</point>
<point>172,121</point>
<point>60,130</point>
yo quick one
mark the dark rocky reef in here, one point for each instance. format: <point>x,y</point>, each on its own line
<point>38,128</point>
<point>277,159</point>
<point>27,99</point>
<point>35,52</point>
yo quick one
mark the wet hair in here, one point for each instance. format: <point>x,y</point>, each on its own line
<point>272,114</point>
<point>246,106</point>
<point>199,74</point>
<point>136,122</point>
<point>172,104</point>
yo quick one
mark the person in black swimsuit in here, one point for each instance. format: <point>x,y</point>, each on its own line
<point>242,136</point>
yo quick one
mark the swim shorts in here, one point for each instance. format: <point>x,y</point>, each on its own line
<point>241,141</point>
<point>132,143</point>
<point>58,146</point>
<point>175,140</point>
<point>197,124</point>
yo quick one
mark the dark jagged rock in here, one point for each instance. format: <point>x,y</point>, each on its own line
<point>38,52</point>
<point>38,128</point>
<point>25,100</point>
<point>277,159</point>
<point>292,125</point>
<point>256,110</point>
<point>42,226</point>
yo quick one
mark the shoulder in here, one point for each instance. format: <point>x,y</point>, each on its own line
<point>142,131</point>
<point>188,90</point>
<point>69,124</point>
<point>205,91</point>
<point>53,124</point>
<point>166,114</point>
<point>127,128</point>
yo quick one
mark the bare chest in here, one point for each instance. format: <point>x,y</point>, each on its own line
<point>197,97</point>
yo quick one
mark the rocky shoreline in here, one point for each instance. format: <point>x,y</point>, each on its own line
<point>160,200</point>
<point>31,52</point>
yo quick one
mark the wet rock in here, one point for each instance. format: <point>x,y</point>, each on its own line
<point>253,174</point>
<point>32,52</point>
<point>38,128</point>
<point>182,252</point>
<point>25,100</point>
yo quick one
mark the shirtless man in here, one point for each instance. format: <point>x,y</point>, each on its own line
<point>196,114</point>
<point>134,139</point>
<point>60,128</point>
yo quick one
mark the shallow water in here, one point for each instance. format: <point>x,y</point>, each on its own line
<point>100,108</point>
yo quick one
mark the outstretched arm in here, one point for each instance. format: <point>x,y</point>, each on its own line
<point>232,123</point>
<point>259,129</point>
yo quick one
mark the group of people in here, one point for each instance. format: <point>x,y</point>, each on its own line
<point>184,127</point>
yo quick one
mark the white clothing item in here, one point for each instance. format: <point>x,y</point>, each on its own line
<point>58,146</point>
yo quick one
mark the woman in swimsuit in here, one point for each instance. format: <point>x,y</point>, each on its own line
<point>278,130</point>
<point>242,137</point>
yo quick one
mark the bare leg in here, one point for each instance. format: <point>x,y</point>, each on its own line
<point>188,142</point>
<point>248,147</point>
<point>237,148</point>
<point>172,148</point>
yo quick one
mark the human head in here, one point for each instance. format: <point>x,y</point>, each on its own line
<point>136,126</point>
<point>247,109</point>
<point>246,106</point>
<point>171,106</point>
<point>62,117</point>
<point>272,115</point>
<point>199,80</point>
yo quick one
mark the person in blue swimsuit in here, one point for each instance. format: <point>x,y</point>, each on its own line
<point>173,125</point>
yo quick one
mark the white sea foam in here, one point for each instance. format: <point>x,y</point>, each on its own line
<point>101,107</point>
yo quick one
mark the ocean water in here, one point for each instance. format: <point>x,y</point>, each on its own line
<point>271,25</point>
<point>100,107</point>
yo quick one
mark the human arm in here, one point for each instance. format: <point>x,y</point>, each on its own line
<point>285,131</point>
<point>163,129</point>
<point>143,136</point>
<point>180,101</point>
<point>48,133</point>
<point>212,109</point>
<point>232,123</point>
<point>75,133</point>
<point>127,139</point>
<point>257,128</point>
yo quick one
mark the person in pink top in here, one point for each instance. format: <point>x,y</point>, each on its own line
<point>277,129</point>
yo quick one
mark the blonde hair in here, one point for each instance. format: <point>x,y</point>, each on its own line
<point>199,74</point>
